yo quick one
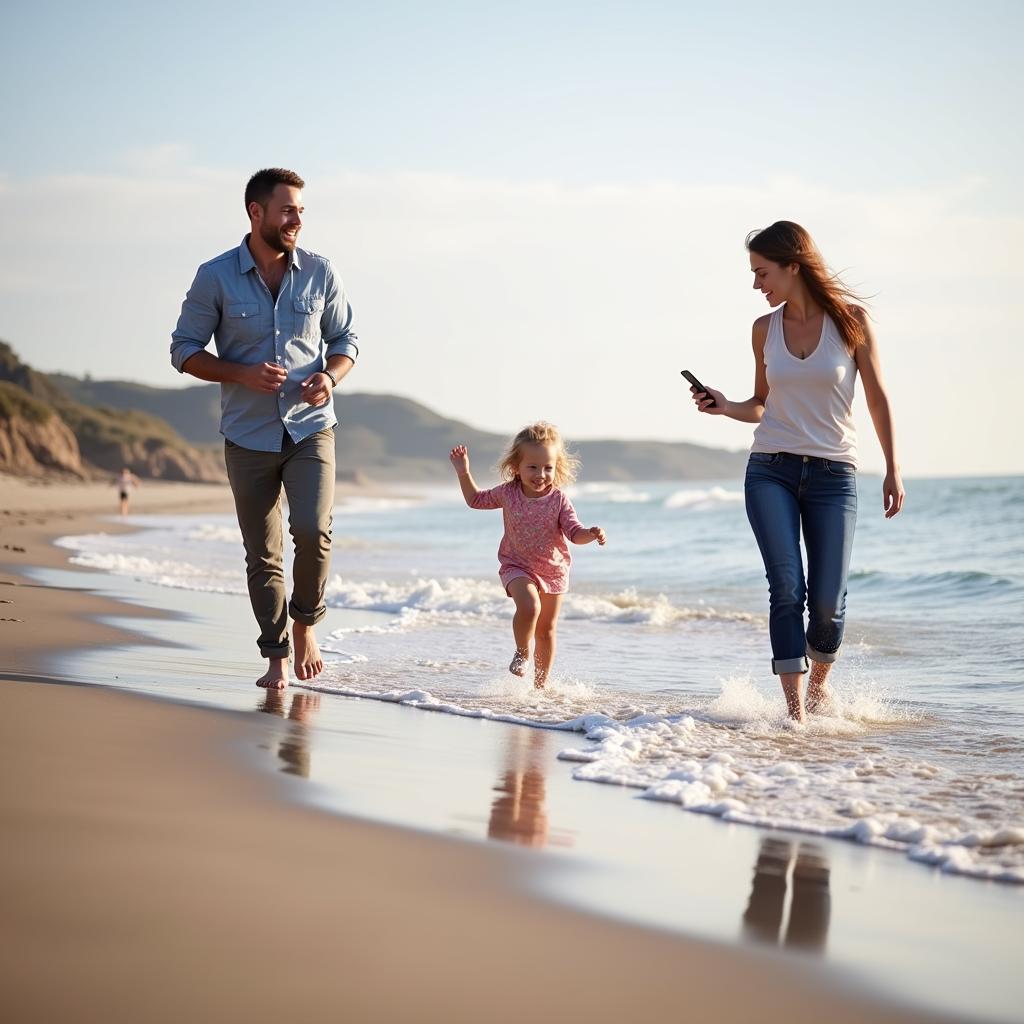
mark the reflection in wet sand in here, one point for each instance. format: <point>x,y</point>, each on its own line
<point>518,814</point>
<point>803,866</point>
<point>294,749</point>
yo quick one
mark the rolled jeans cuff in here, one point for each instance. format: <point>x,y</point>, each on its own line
<point>279,651</point>
<point>306,618</point>
<point>781,666</point>
<point>820,656</point>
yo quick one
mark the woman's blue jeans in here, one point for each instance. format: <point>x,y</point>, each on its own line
<point>784,493</point>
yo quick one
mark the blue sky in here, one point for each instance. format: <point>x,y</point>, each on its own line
<point>586,92</point>
<point>562,186</point>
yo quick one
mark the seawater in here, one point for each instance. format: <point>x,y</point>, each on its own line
<point>663,662</point>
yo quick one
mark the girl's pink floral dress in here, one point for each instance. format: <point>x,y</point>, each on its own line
<point>537,535</point>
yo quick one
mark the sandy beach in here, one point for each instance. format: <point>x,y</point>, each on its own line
<point>153,869</point>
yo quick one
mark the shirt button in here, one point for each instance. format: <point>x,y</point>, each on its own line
<point>806,459</point>
<point>280,394</point>
<point>244,316</point>
<point>277,332</point>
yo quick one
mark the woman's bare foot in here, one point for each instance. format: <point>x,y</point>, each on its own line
<point>517,666</point>
<point>818,693</point>
<point>308,662</point>
<point>276,676</point>
<point>791,691</point>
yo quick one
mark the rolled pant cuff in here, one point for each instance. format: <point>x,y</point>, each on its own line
<point>283,651</point>
<point>821,656</point>
<point>786,665</point>
<point>306,618</point>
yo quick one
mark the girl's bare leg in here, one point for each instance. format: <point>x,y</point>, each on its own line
<point>817,690</point>
<point>544,648</point>
<point>524,622</point>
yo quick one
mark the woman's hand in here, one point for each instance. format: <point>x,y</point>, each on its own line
<point>703,401</point>
<point>892,493</point>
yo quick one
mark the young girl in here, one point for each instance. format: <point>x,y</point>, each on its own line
<point>533,555</point>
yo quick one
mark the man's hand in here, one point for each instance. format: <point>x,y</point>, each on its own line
<point>459,457</point>
<point>317,389</point>
<point>265,377</point>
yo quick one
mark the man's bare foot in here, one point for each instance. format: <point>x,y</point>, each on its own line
<point>308,662</point>
<point>517,666</point>
<point>276,676</point>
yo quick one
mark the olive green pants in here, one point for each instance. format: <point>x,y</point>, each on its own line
<point>305,471</point>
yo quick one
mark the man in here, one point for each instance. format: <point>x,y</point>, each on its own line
<point>283,332</point>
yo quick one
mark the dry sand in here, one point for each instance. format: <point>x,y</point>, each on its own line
<point>149,873</point>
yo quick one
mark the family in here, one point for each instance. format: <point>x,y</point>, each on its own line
<point>282,326</point>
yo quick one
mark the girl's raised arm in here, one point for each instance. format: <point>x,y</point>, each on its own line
<point>459,458</point>
<point>475,498</point>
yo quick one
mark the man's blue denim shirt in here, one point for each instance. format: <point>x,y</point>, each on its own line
<point>311,321</point>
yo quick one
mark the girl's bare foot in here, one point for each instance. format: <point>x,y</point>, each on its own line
<point>308,662</point>
<point>517,666</point>
<point>276,676</point>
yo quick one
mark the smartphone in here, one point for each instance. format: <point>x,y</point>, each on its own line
<point>696,383</point>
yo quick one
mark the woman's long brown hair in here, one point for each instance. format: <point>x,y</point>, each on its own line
<point>786,243</point>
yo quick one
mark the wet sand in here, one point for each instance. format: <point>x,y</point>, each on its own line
<point>153,868</point>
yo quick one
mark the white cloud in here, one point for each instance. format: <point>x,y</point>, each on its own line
<point>500,301</point>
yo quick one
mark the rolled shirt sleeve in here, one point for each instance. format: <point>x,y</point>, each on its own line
<point>200,314</point>
<point>336,323</point>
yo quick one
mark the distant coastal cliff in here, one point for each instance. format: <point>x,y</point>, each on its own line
<point>58,425</point>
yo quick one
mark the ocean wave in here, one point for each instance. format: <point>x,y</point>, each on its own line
<point>612,492</point>
<point>701,500</point>
<point>356,504</point>
<point>214,533</point>
<point>952,584</point>
<point>738,757</point>
<point>460,598</point>
<point>165,572</point>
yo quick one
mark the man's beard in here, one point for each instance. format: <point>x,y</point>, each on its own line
<point>274,237</point>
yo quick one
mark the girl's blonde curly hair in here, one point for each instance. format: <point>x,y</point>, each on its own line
<point>566,463</point>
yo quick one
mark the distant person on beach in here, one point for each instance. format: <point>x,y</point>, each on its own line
<point>126,482</point>
<point>533,555</point>
<point>282,326</point>
<point>802,468</point>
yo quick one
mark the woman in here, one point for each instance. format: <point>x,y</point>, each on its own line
<point>802,468</point>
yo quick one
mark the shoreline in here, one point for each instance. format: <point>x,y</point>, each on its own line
<point>514,922</point>
<point>153,894</point>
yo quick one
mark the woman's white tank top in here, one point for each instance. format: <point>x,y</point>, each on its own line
<point>808,410</point>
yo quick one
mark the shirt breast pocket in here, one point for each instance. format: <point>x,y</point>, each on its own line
<point>308,311</point>
<point>242,320</point>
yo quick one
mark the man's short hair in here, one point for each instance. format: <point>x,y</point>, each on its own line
<point>262,184</point>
